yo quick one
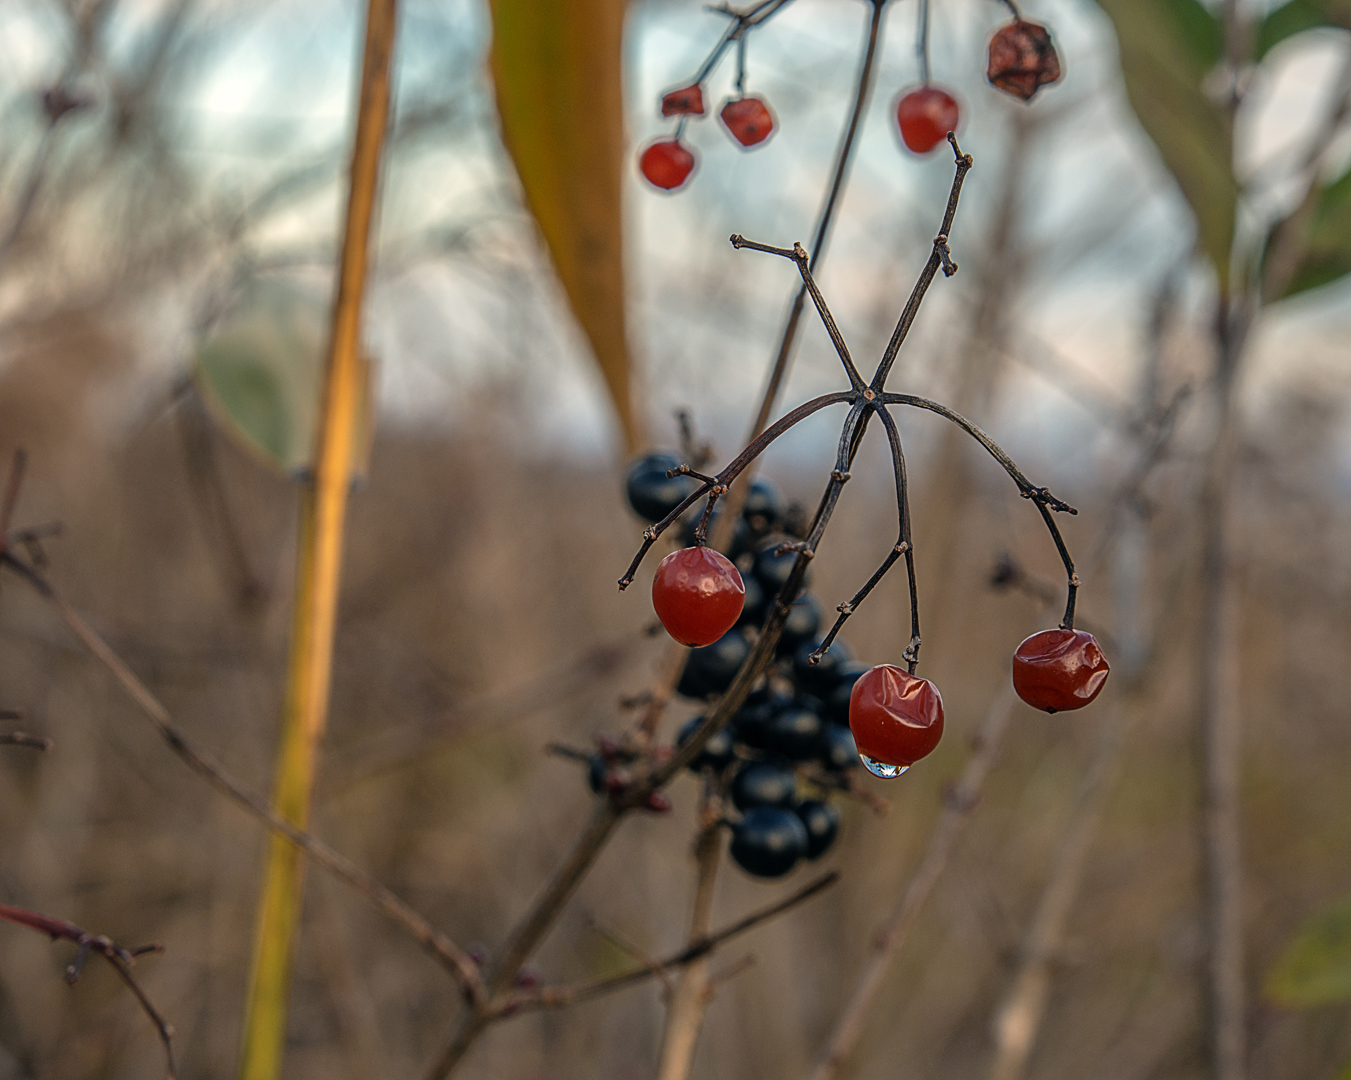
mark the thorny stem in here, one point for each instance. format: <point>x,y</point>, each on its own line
<point>119,958</point>
<point>451,956</point>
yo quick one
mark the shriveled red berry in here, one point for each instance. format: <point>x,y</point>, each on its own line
<point>1058,670</point>
<point>748,119</point>
<point>685,101</point>
<point>1022,59</point>
<point>896,718</point>
<point>698,595</point>
<point>666,163</point>
<point>925,115</point>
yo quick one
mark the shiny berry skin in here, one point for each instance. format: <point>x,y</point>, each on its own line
<point>651,493</point>
<point>769,841</point>
<point>762,783</point>
<point>1022,59</point>
<point>925,115</point>
<point>753,717</point>
<point>717,753</point>
<point>697,594</point>
<point>1058,670</point>
<point>748,119</point>
<point>757,603</point>
<point>822,822</point>
<point>666,163</point>
<point>683,101</point>
<point>896,717</point>
<point>710,670</point>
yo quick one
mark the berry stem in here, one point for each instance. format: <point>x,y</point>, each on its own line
<point>800,259</point>
<point>938,257</point>
<point>821,234</point>
<point>922,42</point>
<point>1046,502</point>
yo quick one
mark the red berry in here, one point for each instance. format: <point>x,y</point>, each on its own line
<point>1022,59</point>
<point>698,595</point>
<point>925,115</point>
<point>686,101</point>
<point>666,163</point>
<point>1058,670</point>
<point>896,718</point>
<point>749,120</point>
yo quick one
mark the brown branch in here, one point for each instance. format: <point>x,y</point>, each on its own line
<point>119,958</point>
<point>891,934</point>
<point>450,955</point>
<point>688,1004</point>
<point>561,996</point>
<point>1019,1015</point>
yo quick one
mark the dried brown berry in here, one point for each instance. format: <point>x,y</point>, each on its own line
<point>1022,59</point>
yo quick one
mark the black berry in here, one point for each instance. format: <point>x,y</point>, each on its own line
<point>772,567</point>
<point>710,670</point>
<point>762,783</point>
<point>756,605</point>
<point>838,751</point>
<point>822,822</point>
<point>769,841</point>
<point>796,730</point>
<point>837,701</point>
<point>764,507</point>
<point>804,619</point>
<point>717,753</point>
<point>821,677</point>
<point>653,494</point>
<point>753,716</point>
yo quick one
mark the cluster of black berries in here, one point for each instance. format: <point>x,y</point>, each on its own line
<point>792,734</point>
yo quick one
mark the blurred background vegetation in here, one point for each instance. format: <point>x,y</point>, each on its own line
<point>168,227</point>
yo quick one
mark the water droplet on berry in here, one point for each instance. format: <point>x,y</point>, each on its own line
<point>886,772</point>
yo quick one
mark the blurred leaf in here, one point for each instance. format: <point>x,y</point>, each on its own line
<point>557,71</point>
<point>1167,49</point>
<point>1297,16</point>
<point>1316,967</point>
<point>1323,239</point>
<point>260,375</point>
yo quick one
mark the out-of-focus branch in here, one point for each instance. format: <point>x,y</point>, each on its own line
<point>1019,1015</point>
<point>960,800</point>
<point>689,1002</point>
<point>119,958</point>
<point>451,956</point>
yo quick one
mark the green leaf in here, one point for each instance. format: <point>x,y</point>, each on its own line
<point>260,373</point>
<point>1316,967</point>
<point>557,71</point>
<point>1167,49</point>
<point>1323,239</point>
<point>1297,16</point>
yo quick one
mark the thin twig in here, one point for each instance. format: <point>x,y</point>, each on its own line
<point>121,960</point>
<point>891,934</point>
<point>451,956</point>
<point>688,1004</point>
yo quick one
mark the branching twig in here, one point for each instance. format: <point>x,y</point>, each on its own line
<point>451,956</point>
<point>119,958</point>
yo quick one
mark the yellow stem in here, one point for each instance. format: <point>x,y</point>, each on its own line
<point>319,559</point>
